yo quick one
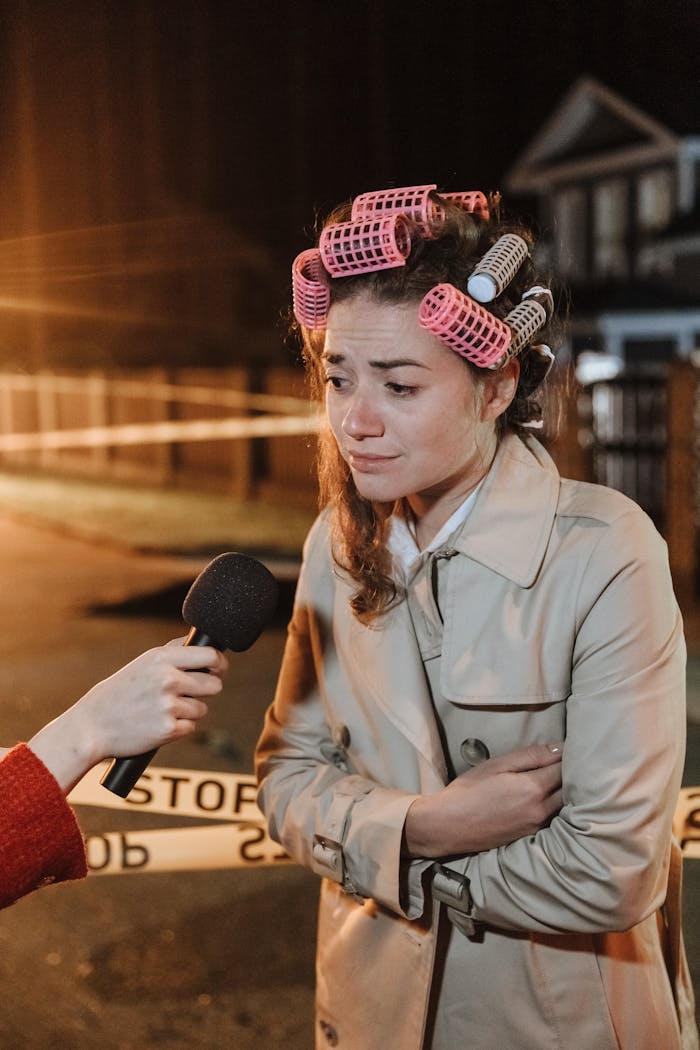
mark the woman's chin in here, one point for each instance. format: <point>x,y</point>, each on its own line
<point>376,489</point>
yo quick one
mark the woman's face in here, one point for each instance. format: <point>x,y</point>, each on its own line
<point>409,417</point>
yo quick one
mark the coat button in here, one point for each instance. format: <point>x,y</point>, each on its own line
<point>474,751</point>
<point>341,736</point>
<point>329,1032</point>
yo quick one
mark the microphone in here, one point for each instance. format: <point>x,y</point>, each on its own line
<point>228,606</point>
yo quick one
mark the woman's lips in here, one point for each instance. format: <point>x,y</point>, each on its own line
<point>367,463</point>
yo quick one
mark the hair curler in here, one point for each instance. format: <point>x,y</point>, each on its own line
<point>545,352</point>
<point>541,295</point>
<point>464,326</point>
<point>414,202</point>
<point>310,296</point>
<point>364,245</point>
<point>497,268</point>
<point>470,200</point>
<point>546,360</point>
<point>540,364</point>
<point>525,321</point>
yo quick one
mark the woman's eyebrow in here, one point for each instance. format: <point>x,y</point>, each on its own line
<point>384,363</point>
<point>397,362</point>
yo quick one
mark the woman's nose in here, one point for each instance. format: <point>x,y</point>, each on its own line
<point>362,419</point>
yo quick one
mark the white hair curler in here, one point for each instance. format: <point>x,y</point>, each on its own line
<point>497,268</point>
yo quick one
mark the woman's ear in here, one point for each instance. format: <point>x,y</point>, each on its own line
<point>499,390</point>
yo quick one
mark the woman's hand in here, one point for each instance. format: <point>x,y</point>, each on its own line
<point>157,698</point>
<point>496,802</point>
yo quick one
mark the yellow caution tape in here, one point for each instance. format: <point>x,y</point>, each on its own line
<point>165,433</point>
<point>177,792</point>
<point>243,841</point>
<point>183,849</point>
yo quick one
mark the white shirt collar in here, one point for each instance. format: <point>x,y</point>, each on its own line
<point>402,541</point>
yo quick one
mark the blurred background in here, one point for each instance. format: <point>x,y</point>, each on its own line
<point>162,162</point>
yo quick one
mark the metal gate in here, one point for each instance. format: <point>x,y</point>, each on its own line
<point>627,437</point>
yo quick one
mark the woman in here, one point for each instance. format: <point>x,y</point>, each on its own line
<point>157,698</point>
<point>461,611</point>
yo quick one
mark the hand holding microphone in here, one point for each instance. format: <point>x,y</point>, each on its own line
<point>227,607</point>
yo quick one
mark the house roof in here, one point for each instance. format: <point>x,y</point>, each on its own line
<point>676,109</point>
<point>591,131</point>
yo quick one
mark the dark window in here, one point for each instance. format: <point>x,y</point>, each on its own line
<point>642,352</point>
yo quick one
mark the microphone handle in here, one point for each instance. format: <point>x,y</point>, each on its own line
<point>123,774</point>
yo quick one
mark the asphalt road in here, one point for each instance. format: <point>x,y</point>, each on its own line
<point>215,960</point>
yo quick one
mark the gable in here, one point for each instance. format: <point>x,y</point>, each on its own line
<point>604,130</point>
<point>591,131</point>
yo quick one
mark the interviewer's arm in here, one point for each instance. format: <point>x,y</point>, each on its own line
<point>157,698</point>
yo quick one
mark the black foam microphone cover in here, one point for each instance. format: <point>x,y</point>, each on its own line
<point>231,601</point>
<point>228,606</point>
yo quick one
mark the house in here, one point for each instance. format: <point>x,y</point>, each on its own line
<point>619,201</point>
<point>617,194</point>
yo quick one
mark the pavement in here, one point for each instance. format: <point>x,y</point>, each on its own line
<point>216,960</point>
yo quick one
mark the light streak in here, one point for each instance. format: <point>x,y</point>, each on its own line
<point>72,273</point>
<point>144,389</point>
<point>161,433</point>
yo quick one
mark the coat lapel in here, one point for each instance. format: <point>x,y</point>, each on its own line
<point>520,493</point>
<point>388,666</point>
<point>518,498</point>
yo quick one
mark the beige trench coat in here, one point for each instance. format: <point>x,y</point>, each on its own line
<point>559,623</point>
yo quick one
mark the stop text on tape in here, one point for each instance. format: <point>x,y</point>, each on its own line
<point>178,792</point>
<point>243,841</point>
<point>244,845</point>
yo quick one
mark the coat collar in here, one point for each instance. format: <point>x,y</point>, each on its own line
<point>509,527</point>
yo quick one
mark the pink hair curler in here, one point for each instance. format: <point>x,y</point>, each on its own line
<point>470,200</point>
<point>364,245</point>
<point>525,321</point>
<point>310,296</point>
<point>497,268</point>
<point>464,326</point>
<point>414,202</point>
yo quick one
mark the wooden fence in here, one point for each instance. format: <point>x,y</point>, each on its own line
<point>636,435</point>
<point>45,405</point>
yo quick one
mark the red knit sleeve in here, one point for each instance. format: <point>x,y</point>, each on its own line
<point>40,841</point>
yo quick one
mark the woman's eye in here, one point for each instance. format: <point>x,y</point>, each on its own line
<point>402,389</point>
<point>335,381</point>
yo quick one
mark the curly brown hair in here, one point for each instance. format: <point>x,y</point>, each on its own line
<point>458,241</point>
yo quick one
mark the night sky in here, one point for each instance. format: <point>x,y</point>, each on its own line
<point>307,102</point>
<point>265,113</point>
<point>346,96</point>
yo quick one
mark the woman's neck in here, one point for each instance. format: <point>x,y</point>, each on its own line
<point>427,512</point>
<point>426,523</point>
